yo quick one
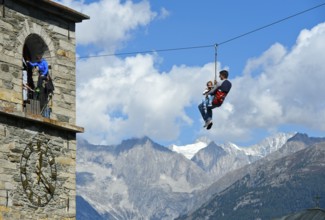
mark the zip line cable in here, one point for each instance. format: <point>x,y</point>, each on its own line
<point>147,51</point>
<point>271,24</point>
<point>206,46</point>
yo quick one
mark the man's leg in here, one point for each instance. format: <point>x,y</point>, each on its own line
<point>208,122</point>
<point>209,113</point>
<point>206,115</point>
<point>202,111</point>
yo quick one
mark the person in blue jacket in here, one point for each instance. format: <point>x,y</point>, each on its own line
<point>43,78</point>
<point>42,66</point>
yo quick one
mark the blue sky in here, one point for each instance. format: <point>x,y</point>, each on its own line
<point>277,72</point>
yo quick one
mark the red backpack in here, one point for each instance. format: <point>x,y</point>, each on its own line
<point>221,93</point>
<point>219,97</point>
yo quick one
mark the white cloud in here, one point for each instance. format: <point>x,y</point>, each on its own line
<point>269,58</point>
<point>130,98</point>
<point>111,21</point>
<point>164,13</point>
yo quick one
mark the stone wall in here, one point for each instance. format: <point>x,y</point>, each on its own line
<point>18,21</point>
<point>37,154</point>
<point>15,202</point>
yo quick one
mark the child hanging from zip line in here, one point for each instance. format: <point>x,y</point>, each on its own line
<point>207,101</point>
<point>219,93</point>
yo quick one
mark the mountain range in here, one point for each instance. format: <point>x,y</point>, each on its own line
<point>286,181</point>
<point>140,179</point>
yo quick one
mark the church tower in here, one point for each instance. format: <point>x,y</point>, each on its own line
<point>38,110</point>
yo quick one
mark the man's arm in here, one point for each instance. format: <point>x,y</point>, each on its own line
<point>31,64</point>
<point>213,90</point>
<point>45,67</point>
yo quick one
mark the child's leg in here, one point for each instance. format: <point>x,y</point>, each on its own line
<point>209,100</point>
<point>205,103</point>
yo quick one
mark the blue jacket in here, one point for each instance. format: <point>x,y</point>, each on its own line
<point>42,66</point>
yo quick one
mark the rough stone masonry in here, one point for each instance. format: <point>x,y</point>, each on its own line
<point>37,154</point>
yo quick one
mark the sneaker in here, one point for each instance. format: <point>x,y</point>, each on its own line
<point>207,123</point>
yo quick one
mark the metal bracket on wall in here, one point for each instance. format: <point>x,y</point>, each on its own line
<point>7,198</point>
<point>68,204</point>
<point>68,31</point>
<point>68,142</point>
<point>3,8</point>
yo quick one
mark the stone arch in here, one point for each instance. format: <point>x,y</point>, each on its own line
<point>34,34</point>
<point>33,46</point>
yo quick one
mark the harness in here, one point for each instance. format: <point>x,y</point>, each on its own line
<point>221,93</point>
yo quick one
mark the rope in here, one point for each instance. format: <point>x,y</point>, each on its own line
<point>215,61</point>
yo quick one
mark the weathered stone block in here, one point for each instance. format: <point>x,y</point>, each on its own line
<point>5,67</point>
<point>10,96</point>
<point>4,177</point>
<point>59,30</point>
<point>9,186</point>
<point>65,161</point>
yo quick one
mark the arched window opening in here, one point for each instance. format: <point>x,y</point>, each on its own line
<point>37,84</point>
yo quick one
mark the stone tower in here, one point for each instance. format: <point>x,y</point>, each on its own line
<point>37,124</point>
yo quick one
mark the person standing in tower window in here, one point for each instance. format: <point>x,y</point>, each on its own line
<point>42,67</point>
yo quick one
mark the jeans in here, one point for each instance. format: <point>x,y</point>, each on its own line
<point>46,112</point>
<point>207,101</point>
<point>206,114</point>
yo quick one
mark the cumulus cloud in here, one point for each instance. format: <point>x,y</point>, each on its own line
<point>130,98</point>
<point>111,21</point>
<point>288,90</point>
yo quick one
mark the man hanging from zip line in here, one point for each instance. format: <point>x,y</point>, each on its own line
<point>219,91</point>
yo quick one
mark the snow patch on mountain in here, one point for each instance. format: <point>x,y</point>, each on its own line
<point>268,145</point>
<point>189,150</point>
<point>265,147</point>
